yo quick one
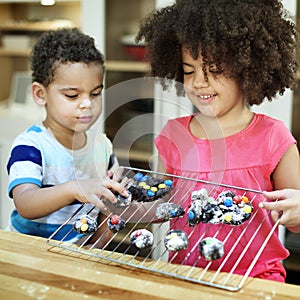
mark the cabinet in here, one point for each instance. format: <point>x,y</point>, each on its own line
<point>125,100</point>
<point>20,24</point>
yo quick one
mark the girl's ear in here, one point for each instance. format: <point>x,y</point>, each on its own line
<point>38,93</point>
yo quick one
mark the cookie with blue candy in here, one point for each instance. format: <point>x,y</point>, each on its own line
<point>236,210</point>
<point>227,208</point>
<point>168,211</point>
<point>146,188</point>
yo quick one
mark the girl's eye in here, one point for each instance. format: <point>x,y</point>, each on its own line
<point>188,73</point>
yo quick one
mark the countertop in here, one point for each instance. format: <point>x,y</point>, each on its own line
<point>32,269</point>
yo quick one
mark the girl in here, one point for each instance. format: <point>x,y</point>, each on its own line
<point>229,55</point>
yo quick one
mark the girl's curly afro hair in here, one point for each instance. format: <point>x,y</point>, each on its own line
<point>253,41</point>
<point>61,46</point>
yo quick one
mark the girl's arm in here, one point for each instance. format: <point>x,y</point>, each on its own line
<point>287,173</point>
<point>287,176</point>
<point>33,202</point>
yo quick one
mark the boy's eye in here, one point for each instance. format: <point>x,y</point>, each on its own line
<point>72,96</point>
<point>96,94</point>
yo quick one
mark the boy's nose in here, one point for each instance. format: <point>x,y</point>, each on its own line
<point>85,103</point>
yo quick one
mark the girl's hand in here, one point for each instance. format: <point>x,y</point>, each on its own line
<point>287,207</point>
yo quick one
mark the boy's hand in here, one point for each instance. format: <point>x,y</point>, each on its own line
<point>97,191</point>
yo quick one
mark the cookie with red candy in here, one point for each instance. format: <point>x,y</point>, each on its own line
<point>115,223</point>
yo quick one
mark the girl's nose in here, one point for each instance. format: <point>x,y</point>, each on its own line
<point>85,103</point>
<point>200,80</point>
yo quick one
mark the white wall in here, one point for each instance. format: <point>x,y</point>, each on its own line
<point>281,107</point>
<point>12,122</point>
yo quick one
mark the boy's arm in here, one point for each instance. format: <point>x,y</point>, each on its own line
<point>34,202</point>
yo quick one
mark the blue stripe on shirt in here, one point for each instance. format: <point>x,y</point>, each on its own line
<point>18,181</point>
<point>24,153</point>
<point>27,226</point>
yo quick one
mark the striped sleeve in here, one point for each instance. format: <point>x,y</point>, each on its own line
<point>24,166</point>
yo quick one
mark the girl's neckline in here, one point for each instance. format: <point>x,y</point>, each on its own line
<point>231,136</point>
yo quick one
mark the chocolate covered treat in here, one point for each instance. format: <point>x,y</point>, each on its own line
<point>176,240</point>
<point>197,212</point>
<point>227,208</point>
<point>146,188</point>
<point>123,201</point>
<point>168,211</point>
<point>236,210</point>
<point>141,238</point>
<point>211,248</point>
<point>85,225</point>
<point>115,223</point>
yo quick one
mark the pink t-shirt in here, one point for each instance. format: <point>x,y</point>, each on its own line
<point>246,159</point>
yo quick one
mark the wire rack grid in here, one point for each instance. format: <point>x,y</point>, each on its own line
<point>229,272</point>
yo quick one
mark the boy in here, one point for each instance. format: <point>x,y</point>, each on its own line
<point>57,165</point>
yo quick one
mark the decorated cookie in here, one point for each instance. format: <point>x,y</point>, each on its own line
<point>167,211</point>
<point>146,188</point>
<point>196,212</point>
<point>123,201</point>
<point>115,223</point>
<point>211,248</point>
<point>141,238</point>
<point>85,225</point>
<point>236,211</point>
<point>227,208</point>
<point>176,240</point>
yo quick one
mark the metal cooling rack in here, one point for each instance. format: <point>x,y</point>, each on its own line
<point>118,249</point>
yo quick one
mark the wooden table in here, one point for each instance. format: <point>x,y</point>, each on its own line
<point>30,269</point>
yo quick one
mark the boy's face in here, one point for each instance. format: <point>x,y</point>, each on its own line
<point>74,98</point>
<point>214,97</point>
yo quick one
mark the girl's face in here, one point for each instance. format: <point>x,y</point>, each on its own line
<point>74,99</point>
<point>214,97</point>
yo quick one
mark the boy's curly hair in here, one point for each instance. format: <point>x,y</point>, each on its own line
<point>252,41</point>
<point>61,46</point>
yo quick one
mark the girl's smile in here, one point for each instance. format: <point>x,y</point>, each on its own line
<point>205,99</point>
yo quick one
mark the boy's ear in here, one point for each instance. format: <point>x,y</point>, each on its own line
<point>38,93</point>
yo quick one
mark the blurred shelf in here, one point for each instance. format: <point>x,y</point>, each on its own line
<point>14,52</point>
<point>127,66</point>
<point>19,26</point>
<point>35,1</point>
<point>136,155</point>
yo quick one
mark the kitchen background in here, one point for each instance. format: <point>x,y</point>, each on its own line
<point>113,24</point>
